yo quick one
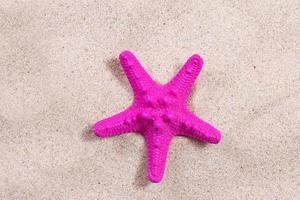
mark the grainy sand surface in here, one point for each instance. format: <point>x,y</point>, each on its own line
<point>59,74</point>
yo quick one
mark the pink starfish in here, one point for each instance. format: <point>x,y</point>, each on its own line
<point>159,112</point>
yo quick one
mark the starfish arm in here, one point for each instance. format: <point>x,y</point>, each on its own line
<point>194,127</point>
<point>157,149</point>
<point>118,124</point>
<point>138,78</point>
<point>184,80</point>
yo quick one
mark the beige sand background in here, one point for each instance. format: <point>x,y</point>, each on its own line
<point>59,74</point>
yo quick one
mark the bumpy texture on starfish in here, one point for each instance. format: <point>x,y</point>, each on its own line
<point>158,112</point>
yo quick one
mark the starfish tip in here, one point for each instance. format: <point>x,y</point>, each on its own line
<point>197,60</point>
<point>125,55</point>
<point>153,178</point>
<point>97,131</point>
<point>216,138</point>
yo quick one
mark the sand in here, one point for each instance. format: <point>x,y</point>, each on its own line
<point>59,74</point>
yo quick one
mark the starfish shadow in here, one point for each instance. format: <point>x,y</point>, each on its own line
<point>88,135</point>
<point>190,99</point>
<point>116,69</point>
<point>141,179</point>
<point>196,143</point>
